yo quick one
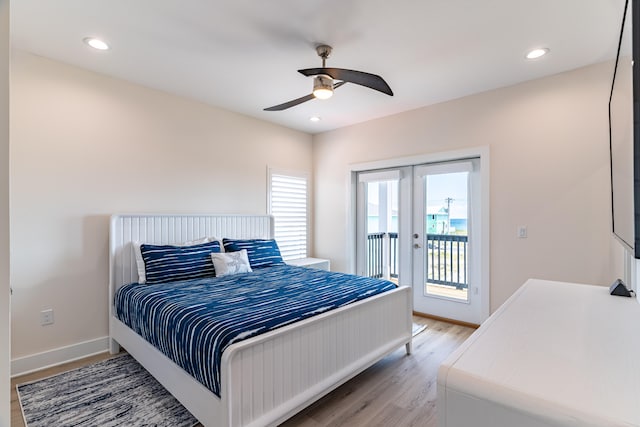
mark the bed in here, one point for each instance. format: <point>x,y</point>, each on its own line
<point>267,378</point>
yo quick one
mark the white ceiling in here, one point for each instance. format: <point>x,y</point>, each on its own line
<point>243,55</point>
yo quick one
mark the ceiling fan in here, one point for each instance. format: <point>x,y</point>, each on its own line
<point>326,80</point>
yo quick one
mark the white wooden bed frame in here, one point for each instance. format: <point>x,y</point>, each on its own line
<point>268,378</point>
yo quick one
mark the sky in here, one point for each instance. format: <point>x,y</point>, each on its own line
<point>442,186</point>
<point>439,188</point>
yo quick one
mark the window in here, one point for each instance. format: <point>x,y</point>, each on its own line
<point>288,200</point>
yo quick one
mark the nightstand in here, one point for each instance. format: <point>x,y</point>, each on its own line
<point>319,263</point>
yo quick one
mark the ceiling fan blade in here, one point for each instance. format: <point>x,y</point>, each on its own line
<point>290,104</point>
<point>372,81</point>
<point>297,101</point>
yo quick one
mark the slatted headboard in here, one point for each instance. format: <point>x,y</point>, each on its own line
<point>172,229</point>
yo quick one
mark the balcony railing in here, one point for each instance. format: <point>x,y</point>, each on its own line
<point>375,257</point>
<point>393,255</point>
<point>446,258</point>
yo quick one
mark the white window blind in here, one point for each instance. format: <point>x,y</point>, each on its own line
<point>288,205</point>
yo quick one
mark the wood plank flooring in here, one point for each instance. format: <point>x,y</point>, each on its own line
<point>398,391</point>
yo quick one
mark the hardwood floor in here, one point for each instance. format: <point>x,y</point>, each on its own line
<point>398,391</point>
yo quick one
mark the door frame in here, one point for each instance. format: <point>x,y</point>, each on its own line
<point>485,238</point>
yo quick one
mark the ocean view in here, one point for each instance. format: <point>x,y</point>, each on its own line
<point>458,225</point>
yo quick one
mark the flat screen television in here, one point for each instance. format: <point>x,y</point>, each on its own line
<point>624,132</point>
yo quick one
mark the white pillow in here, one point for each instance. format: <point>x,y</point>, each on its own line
<point>142,277</point>
<point>227,263</point>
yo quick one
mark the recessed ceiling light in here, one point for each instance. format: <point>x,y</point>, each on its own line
<point>315,119</point>
<point>537,53</point>
<point>96,43</point>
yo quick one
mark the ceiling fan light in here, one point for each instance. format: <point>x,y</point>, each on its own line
<point>322,87</point>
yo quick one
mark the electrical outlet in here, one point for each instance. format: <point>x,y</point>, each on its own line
<point>522,232</point>
<point>46,317</point>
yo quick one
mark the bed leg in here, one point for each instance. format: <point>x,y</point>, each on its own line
<point>114,347</point>
<point>407,346</point>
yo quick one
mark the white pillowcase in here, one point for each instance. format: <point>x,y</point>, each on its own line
<point>227,263</point>
<point>142,277</point>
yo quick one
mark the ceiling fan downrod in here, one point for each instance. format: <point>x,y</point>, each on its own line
<point>323,51</point>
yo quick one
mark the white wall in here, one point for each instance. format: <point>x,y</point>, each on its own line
<point>5,316</point>
<point>548,144</point>
<point>85,146</point>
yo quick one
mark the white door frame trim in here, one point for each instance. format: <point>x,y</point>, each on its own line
<point>485,251</point>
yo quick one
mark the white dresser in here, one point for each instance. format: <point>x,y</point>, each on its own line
<point>555,354</point>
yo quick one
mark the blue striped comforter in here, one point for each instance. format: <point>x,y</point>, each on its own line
<point>193,321</point>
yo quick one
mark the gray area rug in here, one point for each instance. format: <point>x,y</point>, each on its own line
<point>114,392</point>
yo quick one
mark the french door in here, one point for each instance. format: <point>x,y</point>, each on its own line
<point>419,225</point>
<point>446,240</point>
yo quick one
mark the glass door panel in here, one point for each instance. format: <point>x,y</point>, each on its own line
<point>383,224</point>
<point>446,220</point>
<point>379,208</point>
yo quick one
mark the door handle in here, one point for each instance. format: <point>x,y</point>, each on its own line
<point>416,246</point>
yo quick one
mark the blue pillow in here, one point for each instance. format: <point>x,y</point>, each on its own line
<point>167,263</point>
<point>262,253</point>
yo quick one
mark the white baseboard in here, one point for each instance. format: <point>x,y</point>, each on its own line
<point>36,362</point>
